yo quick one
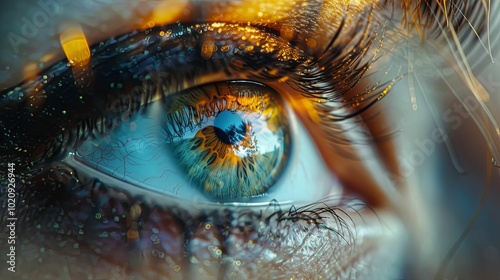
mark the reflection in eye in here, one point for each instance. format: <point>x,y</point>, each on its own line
<point>240,146</point>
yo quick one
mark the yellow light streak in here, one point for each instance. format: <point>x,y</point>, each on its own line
<point>75,45</point>
<point>167,12</point>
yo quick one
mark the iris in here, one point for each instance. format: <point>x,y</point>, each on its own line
<point>231,138</point>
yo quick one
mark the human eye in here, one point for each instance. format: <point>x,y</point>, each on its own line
<point>88,140</point>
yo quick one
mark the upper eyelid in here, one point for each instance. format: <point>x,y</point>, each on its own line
<point>294,56</point>
<point>117,20</point>
<point>55,106</point>
<point>284,68</point>
<point>99,19</point>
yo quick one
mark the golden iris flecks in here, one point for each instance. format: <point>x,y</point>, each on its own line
<point>231,138</point>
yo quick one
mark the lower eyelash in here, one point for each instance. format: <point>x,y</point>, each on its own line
<point>96,210</point>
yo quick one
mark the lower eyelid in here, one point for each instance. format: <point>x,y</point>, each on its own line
<point>335,233</point>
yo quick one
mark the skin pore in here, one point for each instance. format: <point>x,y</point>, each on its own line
<point>395,204</point>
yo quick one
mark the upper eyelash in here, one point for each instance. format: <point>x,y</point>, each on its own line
<point>332,77</point>
<point>144,91</point>
<point>311,79</point>
<point>310,64</point>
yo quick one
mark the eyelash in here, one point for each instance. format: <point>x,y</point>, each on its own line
<point>44,193</point>
<point>146,81</point>
<point>306,74</point>
<point>426,14</point>
<point>60,191</point>
<point>339,69</point>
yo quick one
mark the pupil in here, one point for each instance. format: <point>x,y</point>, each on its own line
<point>229,127</point>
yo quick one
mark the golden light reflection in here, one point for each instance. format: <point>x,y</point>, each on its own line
<point>208,48</point>
<point>287,32</point>
<point>166,12</point>
<point>75,45</point>
<point>48,57</point>
<point>255,11</point>
<point>30,71</point>
<point>307,108</point>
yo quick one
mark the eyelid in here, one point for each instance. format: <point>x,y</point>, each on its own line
<point>102,19</point>
<point>272,58</point>
<point>65,106</point>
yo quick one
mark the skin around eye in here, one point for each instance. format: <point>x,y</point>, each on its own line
<point>71,221</point>
<point>82,218</point>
